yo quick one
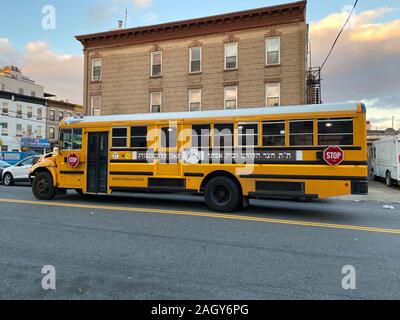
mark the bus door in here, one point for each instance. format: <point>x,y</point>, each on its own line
<point>97,162</point>
<point>168,163</point>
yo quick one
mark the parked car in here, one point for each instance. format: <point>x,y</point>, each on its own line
<point>3,165</point>
<point>19,172</point>
<point>385,160</point>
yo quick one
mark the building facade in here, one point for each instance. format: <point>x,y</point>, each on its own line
<point>23,113</point>
<point>237,60</point>
<point>56,111</point>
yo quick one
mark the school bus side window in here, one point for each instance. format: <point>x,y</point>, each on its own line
<point>301,132</point>
<point>71,139</point>
<point>120,137</point>
<point>201,136</point>
<point>168,137</point>
<point>139,137</point>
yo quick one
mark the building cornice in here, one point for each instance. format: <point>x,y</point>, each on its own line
<point>229,22</point>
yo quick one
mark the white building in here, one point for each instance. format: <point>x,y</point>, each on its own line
<point>22,112</point>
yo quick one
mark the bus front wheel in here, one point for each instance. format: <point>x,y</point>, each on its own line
<point>222,194</point>
<point>43,187</point>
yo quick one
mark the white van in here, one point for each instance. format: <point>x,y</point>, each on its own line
<point>385,159</point>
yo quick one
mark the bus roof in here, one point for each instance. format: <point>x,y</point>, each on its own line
<point>244,112</point>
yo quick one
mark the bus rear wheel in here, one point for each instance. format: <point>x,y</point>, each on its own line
<point>389,181</point>
<point>222,194</point>
<point>42,186</point>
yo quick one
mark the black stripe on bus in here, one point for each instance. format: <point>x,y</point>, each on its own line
<point>297,177</point>
<point>72,172</point>
<point>193,174</point>
<point>130,161</point>
<point>131,173</point>
<point>272,148</point>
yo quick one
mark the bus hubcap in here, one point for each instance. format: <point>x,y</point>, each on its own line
<point>43,186</point>
<point>221,194</point>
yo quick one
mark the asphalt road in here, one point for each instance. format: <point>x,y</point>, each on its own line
<point>172,247</point>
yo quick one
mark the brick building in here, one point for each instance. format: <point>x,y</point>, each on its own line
<point>236,60</point>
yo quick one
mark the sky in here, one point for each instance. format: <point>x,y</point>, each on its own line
<point>365,65</point>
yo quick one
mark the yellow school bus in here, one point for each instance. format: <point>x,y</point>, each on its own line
<point>228,156</point>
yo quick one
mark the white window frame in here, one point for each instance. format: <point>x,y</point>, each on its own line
<point>190,92</point>
<point>190,59</point>
<point>239,141</point>
<point>266,93</point>
<point>152,63</point>
<point>29,112</point>
<point>151,100</point>
<point>266,51</point>
<point>98,79</point>
<point>54,115</point>
<point>60,113</point>
<point>91,104</point>
<point>17,132</point>
<point>225,100</point>
<point>237,55</point>
<point>41,114</point>
<point>19,108</point>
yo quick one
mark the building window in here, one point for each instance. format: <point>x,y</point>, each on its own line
<point>52,133</point>
<point>19,130</point>
<point>96,69</point>
<point>273,50</point>
<point>335,132</point>
<point>39,132</point>
<point>274,133</point>
<point>95,105</point>
<point>4,148</point>
<point>195,100</point>
<point>29,130</point>
<point>33,93</point>
<point>29,114</point>
<point>301,133</point>
<point>4,111</point>
<point>60,115</point>
<point>21,90</point>
<point>156,63</point>
<point>248,134</point>
<point>155,102</point>
<point>231,55</point>
<point>139,137</point>
<point>201,136</point>
<point>4,129</point>
<point>52,115</point>
<point>273,92</point>
<point>120,137</point>
<point>168,137</point>
<point>19,111</point>
<point>230,97</point>
<point>195,60</point>
<point>223,135</point>
<point>39,113</point>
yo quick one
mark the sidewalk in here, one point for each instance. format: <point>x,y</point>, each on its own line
<point>378,191</point>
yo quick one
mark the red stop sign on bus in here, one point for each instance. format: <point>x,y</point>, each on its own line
<point>73,160</point>
<point>333,156</point>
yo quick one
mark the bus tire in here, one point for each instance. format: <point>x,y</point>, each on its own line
<point>222,194</point>
<point>389,181</point>
<point>42,186</point>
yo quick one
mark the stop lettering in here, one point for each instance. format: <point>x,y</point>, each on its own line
<point>333,156</point>
<point>73,160</point>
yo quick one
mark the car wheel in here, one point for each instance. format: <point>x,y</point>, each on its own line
<point>222,194</point>
<point>8,179</point>
<point>42,186</point>
<point>389,181</point>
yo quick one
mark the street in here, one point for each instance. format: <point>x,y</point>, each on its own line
<point>172,247</point>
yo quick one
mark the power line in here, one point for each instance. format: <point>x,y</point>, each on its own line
<point>338,36</point>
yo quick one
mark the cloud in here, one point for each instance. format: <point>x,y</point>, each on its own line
<point>60,74</point>
<point>142,3</point>
<point>364,65</point>
<point>149,17</point>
